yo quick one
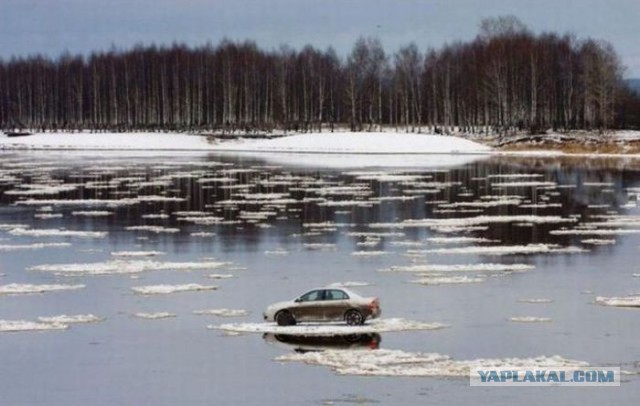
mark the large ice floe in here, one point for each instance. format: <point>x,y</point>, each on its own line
<point>330,329</point>
<point>11,326</point>
<point>475,221</point>
<point>34,246</point>
<point>169,289</point>
<point>416,364</point>
<point>25,289</point>
<point>33,232</point>
<point>623,301</point>
<point>504,250</point>
<point>425,268</point>
<point>119,266</point>
<point>71,319</point>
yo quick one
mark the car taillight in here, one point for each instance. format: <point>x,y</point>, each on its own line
<point>375,303</point>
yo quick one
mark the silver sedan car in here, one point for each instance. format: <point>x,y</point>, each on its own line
<point>324,304</point>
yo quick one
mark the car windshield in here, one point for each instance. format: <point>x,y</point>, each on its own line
<point>311,296</point>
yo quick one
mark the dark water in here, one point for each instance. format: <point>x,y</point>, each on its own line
<point>129,360</point>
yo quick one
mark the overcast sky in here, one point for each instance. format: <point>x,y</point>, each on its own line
<point>80,26</point>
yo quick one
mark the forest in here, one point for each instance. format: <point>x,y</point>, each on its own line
<point>507,80</point>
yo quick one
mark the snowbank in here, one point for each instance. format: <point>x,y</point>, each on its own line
<point>361,143</point>
<point>119,141</point>
<point>327,143</point>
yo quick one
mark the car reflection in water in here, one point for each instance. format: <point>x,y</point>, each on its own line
<point>303,344</point>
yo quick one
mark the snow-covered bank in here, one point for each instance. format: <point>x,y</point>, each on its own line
<point>107,141</point>
<point>360,143</point>
<point>319,143</point>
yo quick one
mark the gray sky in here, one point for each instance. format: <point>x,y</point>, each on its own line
<point>80,26</point>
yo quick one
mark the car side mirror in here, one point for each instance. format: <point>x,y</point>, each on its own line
<point>297,300</point>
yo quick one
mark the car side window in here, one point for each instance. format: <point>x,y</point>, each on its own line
<point>336,295</point>
<point>311,296</point>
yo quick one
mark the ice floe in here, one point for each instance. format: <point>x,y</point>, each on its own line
<point>624,301</point>
<point>350,284</point>
<point>330,329</point>
<point>168,289</point>
<point>136,253</point>
<point>71,319</point>
<point>57,233</point>
<point>475,221</point>
<point>505,250</point>
<point>22,288</point>
<point>224,312</point>
<point>10,326</point>
<point>529,319</point>
<point>447,280</point>
<point>536,301</point>
<point>34,246</point>
<point>153,229</point>
<point>461,268</point>
<point>125,267</point>
<point>400,363</point>
<point>154,316</point>
<point>92,213</point>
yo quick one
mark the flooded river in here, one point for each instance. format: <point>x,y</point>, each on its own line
<point>142,279</point>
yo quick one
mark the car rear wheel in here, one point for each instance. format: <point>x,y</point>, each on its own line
<point>353,317</point>
<point>284,318</point>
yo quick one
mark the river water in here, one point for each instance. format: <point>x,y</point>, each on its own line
<point>101,231</point>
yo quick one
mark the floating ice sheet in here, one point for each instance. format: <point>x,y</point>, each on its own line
<point>125,267</point>
<point>625,301</point>
<point>447,280</point>
<point>529,319</point>
<point>71,319</point>
<point>10,326</point>
<point>169,289</point>
<point>461,268</point>
<point>400,363</point>
<point>535,301</point>
<point>154,316</point>
<point>23,289</point>
<point>224,312</point>
<point>505,250</point>
<point>31,232</point>
<point>34,246</point>
<point>330,329</point>
<point>136,253</point>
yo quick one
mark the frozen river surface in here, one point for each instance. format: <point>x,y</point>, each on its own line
<point>142,279</point>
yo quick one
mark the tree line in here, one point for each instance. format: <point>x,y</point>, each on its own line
<point>506,80</point>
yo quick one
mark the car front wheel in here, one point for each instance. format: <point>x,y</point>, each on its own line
<point>353,318</point>
<point>284,318</point>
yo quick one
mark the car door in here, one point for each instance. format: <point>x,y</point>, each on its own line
<point>309,306</point>
<point>336,304</point>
